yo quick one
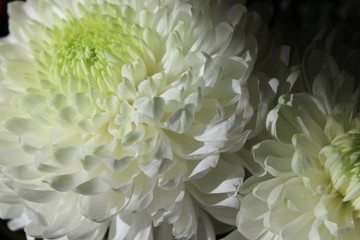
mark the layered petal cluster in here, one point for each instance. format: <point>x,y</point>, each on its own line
<point>111,113</point>
<point>311,189</point>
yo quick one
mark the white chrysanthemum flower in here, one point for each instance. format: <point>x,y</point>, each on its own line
<point>312,187</point>
<point>113,111</point>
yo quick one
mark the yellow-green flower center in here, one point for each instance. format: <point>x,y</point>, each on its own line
<point>347,145</point>
<point>342,160</point>
<point>89,52</point>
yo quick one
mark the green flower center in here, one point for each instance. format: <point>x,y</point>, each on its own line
<point>89,52</point>
<point>342,160</point>
<point>347,145</point>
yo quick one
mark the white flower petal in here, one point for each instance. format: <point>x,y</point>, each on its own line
<point>180,120</point>
<point>310,189</point>
<point>110,110</point>
<point>141,230</point>
<point>93,186</point>
<point>100,208</point>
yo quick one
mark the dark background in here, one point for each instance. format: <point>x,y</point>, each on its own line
<point>298,17</point>
<point>302,13</point>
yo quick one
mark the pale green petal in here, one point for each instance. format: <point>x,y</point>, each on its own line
<point>273,156</point>
<point>338,217</point>
<point>297,227</point>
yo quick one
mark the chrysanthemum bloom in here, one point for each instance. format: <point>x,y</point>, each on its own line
<point>311,189</point>
<point>112,110</point>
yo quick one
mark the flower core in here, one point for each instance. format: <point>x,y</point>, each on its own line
<point>91,49</point>
<point>343,163</point>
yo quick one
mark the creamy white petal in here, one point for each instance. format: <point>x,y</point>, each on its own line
<point>122,107</point>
